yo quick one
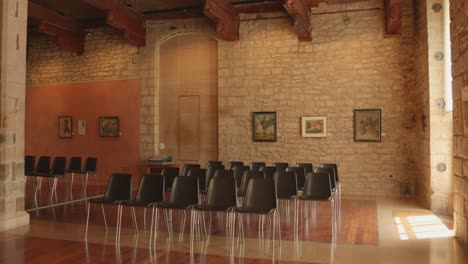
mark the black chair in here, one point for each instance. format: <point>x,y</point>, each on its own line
<point>184,195</point>
<point>90,168</point>
<point>187,167</point>
<point>268,171</point>
<point>338,188</point>
<point>119,188</point>
<point>318,188</point>
<point>42,170</point>
<point>213,162</point>
<point>57,171</point>
<point>210,172</point>
<point>286,190</point>
<point>233,164</point>
<point>335,170</point>
<point>255,166</point>
<point>169,175</point>
<point>29,168</point>
<point>150,190</point>
<point>282,166</point>
<point>74,166</point>
<point>308,167</point>
<point>221,197</point>
<point>300,176</point>
<point>246,177</point>
<point>260,199</point>
<point>331,174</point>
<point>238,173</point>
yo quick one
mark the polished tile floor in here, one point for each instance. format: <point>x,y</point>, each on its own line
<point>368,234</point>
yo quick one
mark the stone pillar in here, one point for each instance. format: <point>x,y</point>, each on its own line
<point>13,24</point>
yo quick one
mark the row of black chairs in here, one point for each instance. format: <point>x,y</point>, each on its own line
<point>259,193</point>
<point>58,170</point>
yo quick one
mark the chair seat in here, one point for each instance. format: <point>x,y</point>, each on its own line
<point>73,171</point>
<point>205,207</point>
<point>136,203</point>
<point>314,198</point>
<point>169,205</point>
<point>246,210</point>
<point>101,201</point>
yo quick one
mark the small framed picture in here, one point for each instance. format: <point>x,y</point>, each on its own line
<point>109,126</point>
<point>367,125</point>
<point>65,127</point>
<point>81,127</point>
<point>314,126</point>
<point>264,126</point>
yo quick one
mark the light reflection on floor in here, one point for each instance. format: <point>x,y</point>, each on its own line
<point>420,225</point>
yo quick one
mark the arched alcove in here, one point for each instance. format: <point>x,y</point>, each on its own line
<point>188,97</point>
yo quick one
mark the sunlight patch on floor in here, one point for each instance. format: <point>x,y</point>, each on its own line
<point>420,225</point>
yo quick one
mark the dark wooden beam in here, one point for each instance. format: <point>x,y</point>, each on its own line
<point>68,32</point>
<point>191,12</point>
<point>226,18</point>
<point>392,17</point>
<point>120,16</point>
<point>298,10</point>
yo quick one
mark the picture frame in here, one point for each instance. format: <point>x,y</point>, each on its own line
<point>264,126</point>
<point>368,125</point>
<point>314,126</point>
<point>109,126</point>
<point>65,127</point>
<point>81,128</point>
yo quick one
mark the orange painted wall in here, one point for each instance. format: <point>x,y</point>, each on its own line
<point>86,101</point>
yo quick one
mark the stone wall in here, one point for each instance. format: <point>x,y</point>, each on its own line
<point>459,39</point>
<point>342,69</point>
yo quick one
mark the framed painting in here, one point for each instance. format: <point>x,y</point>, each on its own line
<point>367,125</point>
<point>314,126</point>
<point>65,127</point>
<point>109,126</point>
<point>264,126</point>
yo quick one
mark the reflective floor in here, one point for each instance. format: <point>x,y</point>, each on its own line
<point>369,233</point>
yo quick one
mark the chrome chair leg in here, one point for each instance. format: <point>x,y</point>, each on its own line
<point>87,222</point>
<point>104,216</point>
<point>135,220</point>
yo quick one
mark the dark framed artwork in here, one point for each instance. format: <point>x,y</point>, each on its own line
<point>65,127</point>
<point>264,126</point>
<point>109,126</point>
<point>368,125</point>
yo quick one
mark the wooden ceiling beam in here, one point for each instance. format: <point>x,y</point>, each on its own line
<point>68,32</point>
<point>120,16</point>
<point>225,16</point>
<point>298,10</point>
<point>392,17</point>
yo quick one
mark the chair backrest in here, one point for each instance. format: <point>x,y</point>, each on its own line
<point>213,162</point>
<point>90,166</point>
<point>331,174</point>
<point>119,187</point>
<point>334,167</point>
<point>43,165</point>
<point>188,167</point>
<point>300,175</point>
<point>246,177</point>
<point>282,166</point>
<point>238,173</point>
<point>226,173</point>
<point>268,171</point>
<point>169,176</point>
<point>184,191</point>
<point>74,165</point>
<point>59,167</point>
<point>29,165</point>
<point>210,172</point>
<point>150,189</point>
<point>286,185</point>
<point>308,167</point>
<point>317,186</point>
<point>260,196</point>
<point>221,193</point>
<point>255,165</point>
<point>233,164</point>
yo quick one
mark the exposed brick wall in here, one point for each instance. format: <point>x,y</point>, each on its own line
<point>342,69</point>
<point>459,39</point>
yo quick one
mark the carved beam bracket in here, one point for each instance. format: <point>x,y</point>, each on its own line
<point>120,16</point>
<point>392,17</point>
<point>298,10</point>
<point>226,18</point>
<point>69,33</point>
